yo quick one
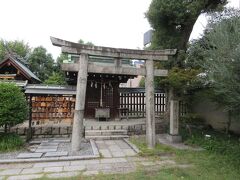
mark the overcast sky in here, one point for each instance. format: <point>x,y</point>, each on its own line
<point>114,23</point>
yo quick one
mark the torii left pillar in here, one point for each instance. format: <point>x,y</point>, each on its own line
<point>77,132</point>
<point>150,112</point>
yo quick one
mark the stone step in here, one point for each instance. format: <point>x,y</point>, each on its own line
<point>107,127</point>
<point>105,132</point>
<point>107,137</point>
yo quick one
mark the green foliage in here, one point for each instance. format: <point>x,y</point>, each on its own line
<point>142,82</point>
<point>19,47</point>
<point>172,22</point>
<point>13,105</point>
<point>219,59</point>
<point>181,80</point>
<point>61,58</point>
<point>218,143</point>
<point>145,151</point>
<point>55,79</point>
<point>10,142</point>
<point>80,41</point>
<point>205,164</point>
<point>41,63</point>
<point>192,118</point>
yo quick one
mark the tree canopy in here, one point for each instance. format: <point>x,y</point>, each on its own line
<point>80,41</point>
<point>172,22</point>
<point>56,78</point>
<point>19,47</point>
<point>41,63</point>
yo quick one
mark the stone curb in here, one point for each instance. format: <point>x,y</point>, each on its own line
<point>8,161</point>
<point>65,158</point>
<point>132,145</point>
<point>94,148</point>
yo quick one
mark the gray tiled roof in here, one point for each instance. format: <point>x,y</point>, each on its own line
<point>50,89</point>
<point>22,66</point>
<point>28,71</point>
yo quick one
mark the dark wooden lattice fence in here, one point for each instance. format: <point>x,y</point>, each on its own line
<point>133,99</point>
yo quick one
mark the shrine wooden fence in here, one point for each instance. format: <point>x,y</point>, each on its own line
<point>133,99</point>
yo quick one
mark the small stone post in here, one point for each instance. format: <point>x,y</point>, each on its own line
<point>150,112</point>
<point>77,132</point>
<point>174,122</point>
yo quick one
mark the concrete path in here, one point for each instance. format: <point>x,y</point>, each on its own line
<point>66,169</point>
<point>117,156</point>
<point>115,148</point>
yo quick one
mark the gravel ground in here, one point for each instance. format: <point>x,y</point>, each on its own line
<point>86,149</point>
<point>11,155</point>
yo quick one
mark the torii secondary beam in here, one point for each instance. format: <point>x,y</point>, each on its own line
<point>113,69</point>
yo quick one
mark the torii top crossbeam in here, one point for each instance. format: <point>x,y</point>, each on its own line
<point>76,48</point>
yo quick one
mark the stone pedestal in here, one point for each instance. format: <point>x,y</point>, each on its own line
<point>174,138</point>
<point>174,122</point>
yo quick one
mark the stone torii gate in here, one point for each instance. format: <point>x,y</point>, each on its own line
<point>83,67</point>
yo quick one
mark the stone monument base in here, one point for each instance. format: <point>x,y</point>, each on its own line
<point>174,138</point>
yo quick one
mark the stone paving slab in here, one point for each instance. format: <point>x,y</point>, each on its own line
<point>32,170</point>
<point>100,141</point>
<point>49,144</point>
<point>45,150</point>
<point>62,175</point>
<point>61,141</point>
<point>10,172</point>
<point>47,147</point>
<point>99,167</point>
<point>30,155</point>
<point>105,153</point>
<point>114,148</point>
<point>118,154</point>
<point>26,177</point>
<point>15,166</point>
<point>56,154</point>
<point>84,162</point>
<point>102,146</point>
<point>52,164</point>
<point>66,169</point>
<point>53,169</point>
<point>129,152</point>
<point>89,173</point>
<point>113,160</point>
<point>110,142</point>
<point>122,144</point>
<point>37,141</point>
<point>74,168</point>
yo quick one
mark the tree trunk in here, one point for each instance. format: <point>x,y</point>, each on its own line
<point>229,122</point>
<point>5,128</point>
